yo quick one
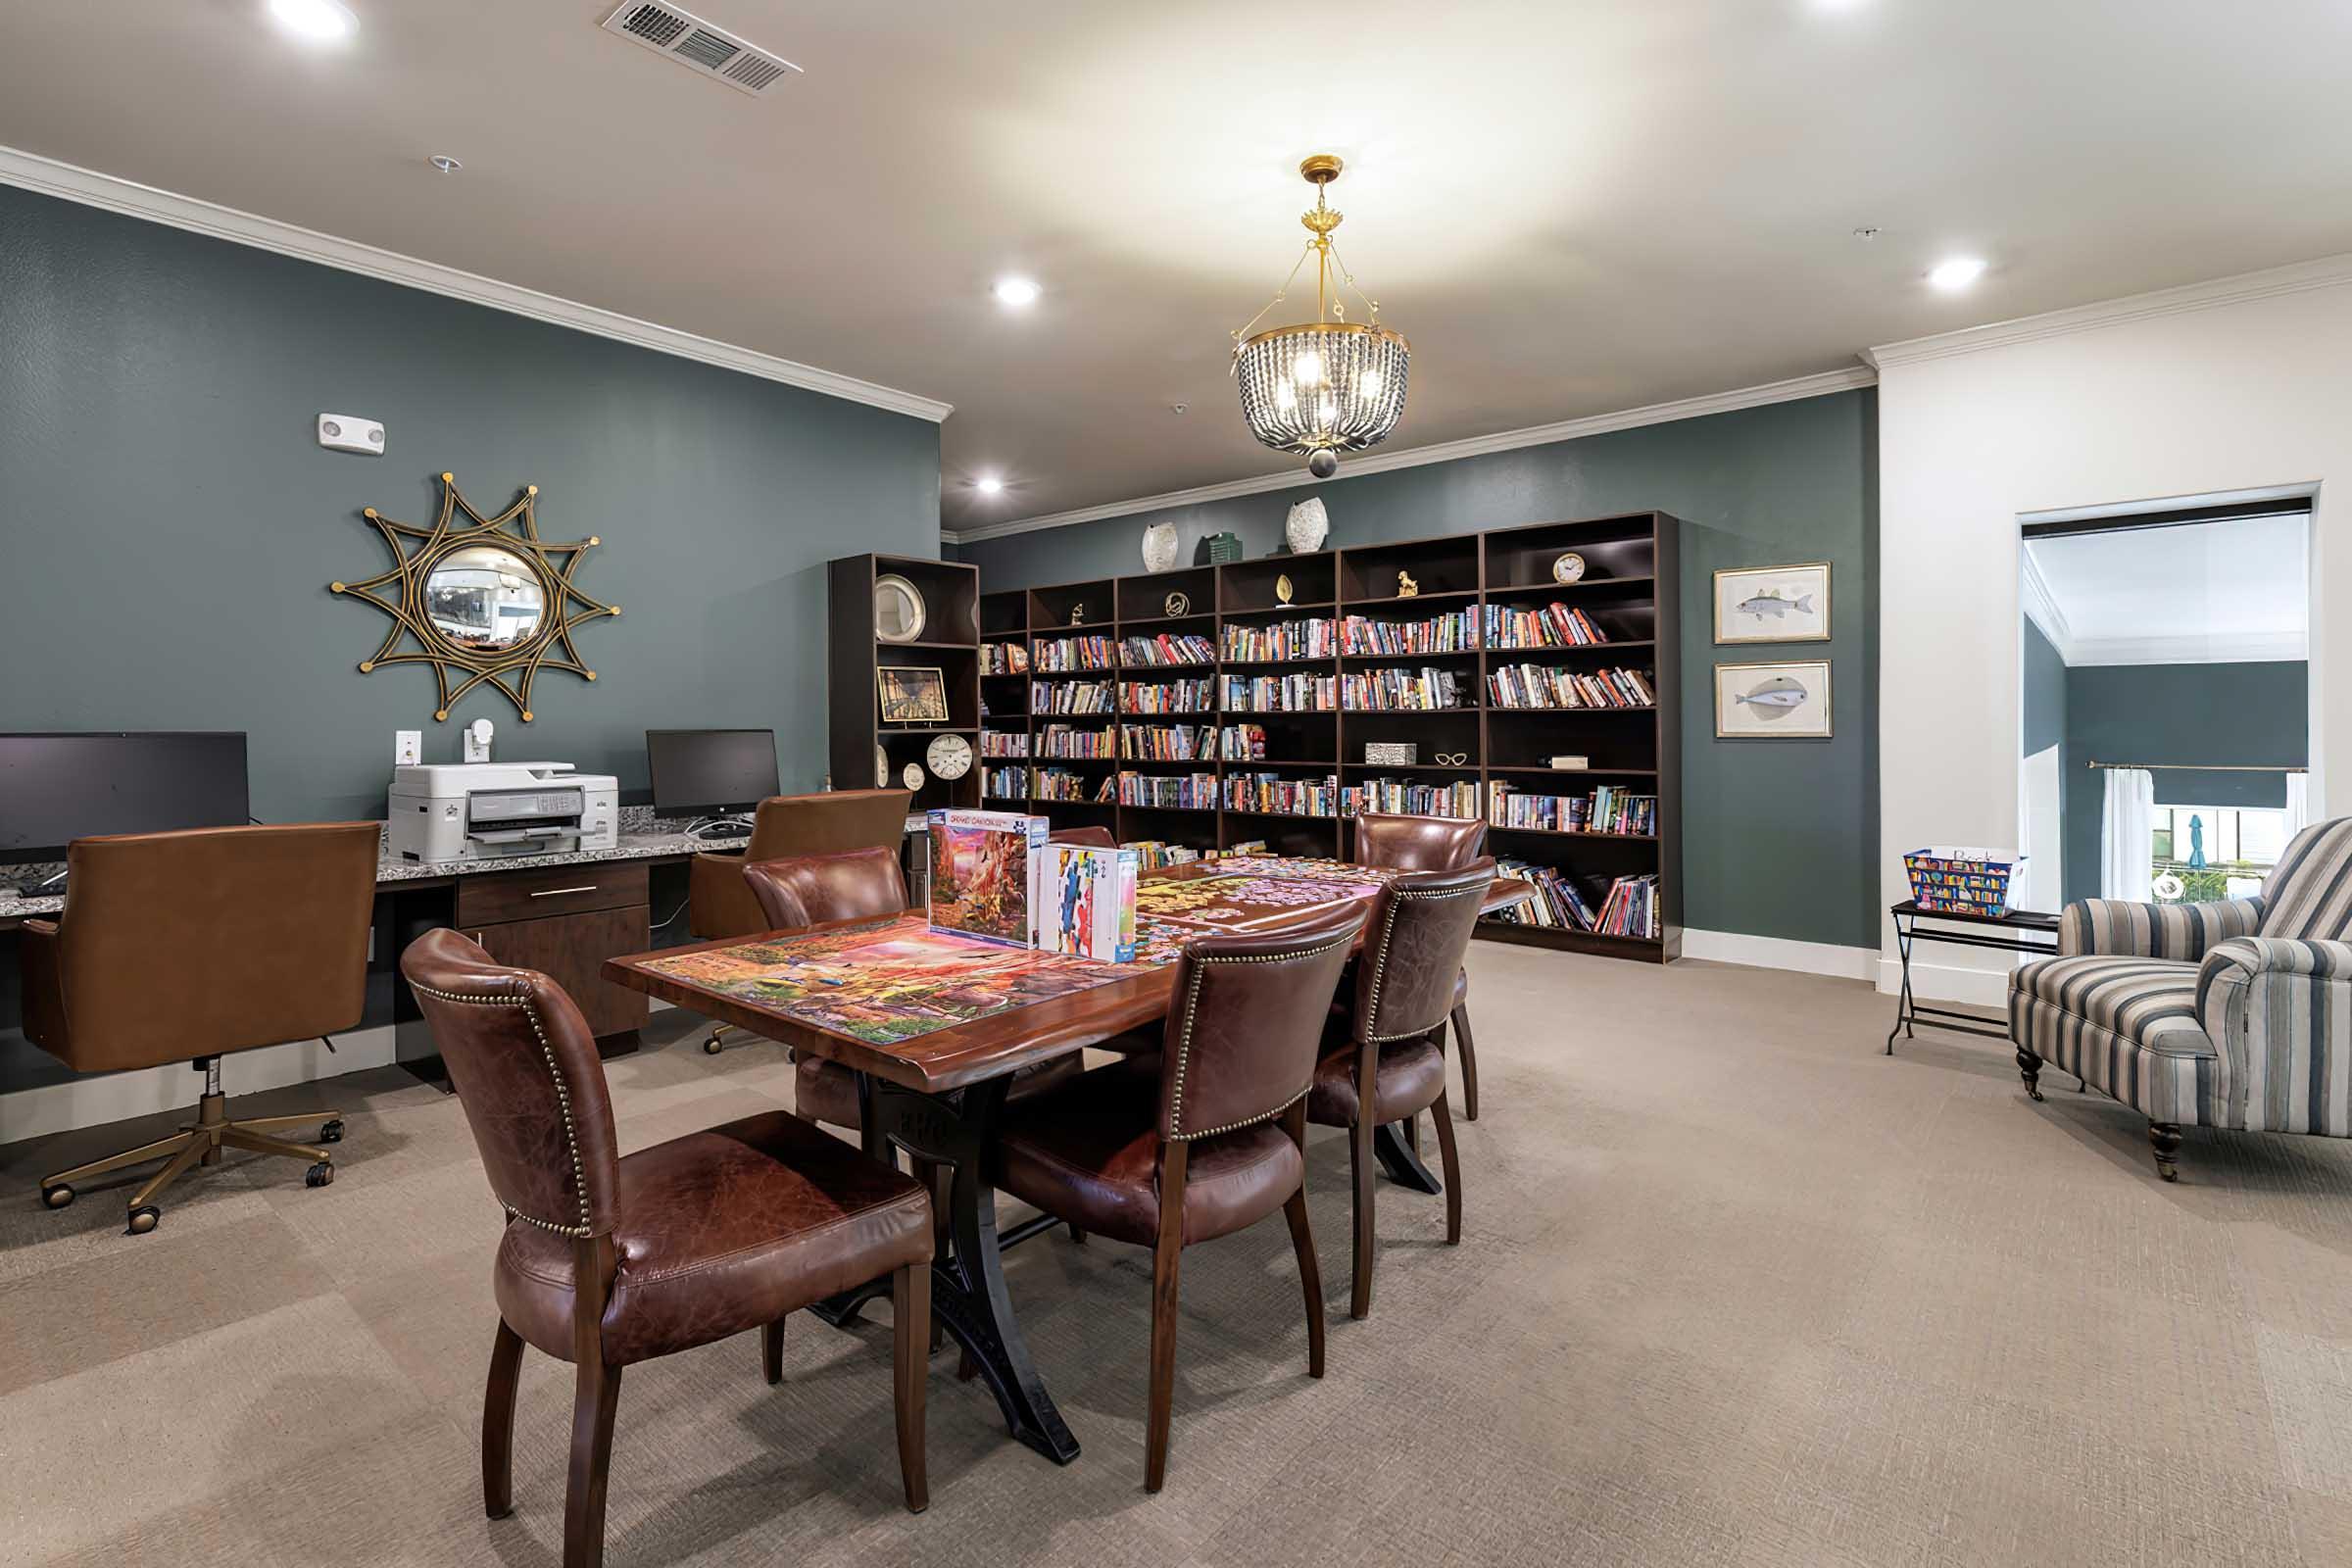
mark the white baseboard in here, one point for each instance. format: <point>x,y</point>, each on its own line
<point>1780,953</point>
<point>96,1100</point>
<point>1946,982</point>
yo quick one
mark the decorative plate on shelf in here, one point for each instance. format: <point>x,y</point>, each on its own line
<point>950,756</point>
<point>881,767</point>
<point>1570,568</point>
<point>912,775</point>
<point>898,613</point>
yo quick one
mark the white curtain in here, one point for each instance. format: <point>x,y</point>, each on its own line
<point>2125,842</point>
<point>2298,802</point>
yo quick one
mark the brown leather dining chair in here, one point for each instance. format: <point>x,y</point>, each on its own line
<point>1388,1052</point>
<point>189,946</point>
<point>610,1259</point>
<point>856,884</point>
<point>1091,838</point>
<point>1203,1139</point>
<point>1431,844</point>
<point>718,904</point>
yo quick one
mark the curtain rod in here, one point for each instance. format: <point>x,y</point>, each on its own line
<point>2206,768</point>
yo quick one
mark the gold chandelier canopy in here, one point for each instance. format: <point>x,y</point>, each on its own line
<point>1329,386</point>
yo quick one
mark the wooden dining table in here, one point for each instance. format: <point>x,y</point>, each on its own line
<point>935,1025</point>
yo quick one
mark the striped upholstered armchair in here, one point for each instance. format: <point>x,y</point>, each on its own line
<point>2235,1014</point>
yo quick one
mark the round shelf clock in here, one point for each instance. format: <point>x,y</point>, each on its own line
<point>950,756</point>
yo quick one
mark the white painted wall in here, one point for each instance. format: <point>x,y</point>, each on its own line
<point>2238,385</point>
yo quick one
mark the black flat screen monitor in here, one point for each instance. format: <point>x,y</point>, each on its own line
<point>55,789</point>
<point>710,771</point>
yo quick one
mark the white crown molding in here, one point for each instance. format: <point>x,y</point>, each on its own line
<point>2189,647</point>
<point>1804,386</point>
<point>2329,271</point>
<point>2040,607</point>
<point>50,178</point>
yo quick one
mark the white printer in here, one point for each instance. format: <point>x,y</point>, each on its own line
<point>483,811</point>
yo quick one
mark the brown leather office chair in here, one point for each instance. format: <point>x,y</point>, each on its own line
<point>718,904</point>
<point>184,947</point>
<point>607,1260</point>
<point>1431,844</point>
<point>851,886</point>
<point>1388,1053</point>
<point>1170,1151</point>
<point>1093,838</point>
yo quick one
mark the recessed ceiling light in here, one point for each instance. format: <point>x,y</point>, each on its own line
<point>315,19</point>
<point>444,162</point>
<point>1957,272</point>
<point>1017,291</point>
<point>988,484</point>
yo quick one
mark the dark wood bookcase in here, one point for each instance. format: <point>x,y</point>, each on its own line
<point>856,657</point>
<point>1630,592</point>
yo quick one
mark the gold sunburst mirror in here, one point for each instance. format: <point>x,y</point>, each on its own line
<point>482,599</point>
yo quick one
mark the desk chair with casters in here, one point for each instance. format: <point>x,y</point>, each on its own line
<point>189,946</point>
<point>607,1260</point>
<point>1431,844</point>
<point>718,904</point>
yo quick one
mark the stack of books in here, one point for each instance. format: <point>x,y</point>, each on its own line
<point>1453,633</point>
<point>1607,809</point>
<point>1289,639</point>
<point>1555,626</point>
<point>1536,686</point>
<point>1275,795</point>
<point>1243,743</point>
<point>1154,854</point>
<point>1005,783</point>
<point>1071,697</point>
<point>1385,796</point>
<point>1631,909</point>
<point>1003,658</point>
<point>1558,900</point>
<point>1165,649</point>
<point>1281,693</point>
<point>1064,740</point>
<point>1194,792</point>
<point>1058,784</point>
<point>1171,697</point>
<point>1004,743</point>
<point>1168,743</point>
<point>1074,652</point>
<point>1421,691</point>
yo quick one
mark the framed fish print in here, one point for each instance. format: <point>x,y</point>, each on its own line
<point>1773,604</point>
<point>1773,702</point>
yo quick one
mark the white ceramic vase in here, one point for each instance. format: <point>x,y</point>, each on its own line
<point>1307,527</point>
<point>1159,547</point>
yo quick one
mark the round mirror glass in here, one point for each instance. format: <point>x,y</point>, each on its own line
<point>484,599</point>
<point>898,609</point>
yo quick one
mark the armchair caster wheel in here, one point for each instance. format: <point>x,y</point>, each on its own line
<point>144,1219</point>
<point>332,1131</point>
<point>2034,1092</point>
<point>57,1197</point>
<point>321,1174</point>
<point>711,1045</point>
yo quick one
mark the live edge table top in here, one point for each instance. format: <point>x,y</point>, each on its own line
<point>935,1011</point>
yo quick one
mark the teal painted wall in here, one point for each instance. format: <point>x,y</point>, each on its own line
<point>2212,714</point>
<point>172,524</point>
<point>1780,837</point>
<point>2045,694</point>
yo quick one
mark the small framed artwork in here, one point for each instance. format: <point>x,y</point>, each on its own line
<point>1773,604</point>
<point>914,693</point>
<point>1773,702</point>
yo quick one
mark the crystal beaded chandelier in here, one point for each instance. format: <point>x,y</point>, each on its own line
<point>1330,385</point>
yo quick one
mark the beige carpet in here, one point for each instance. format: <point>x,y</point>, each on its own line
<point>1734,1289</point>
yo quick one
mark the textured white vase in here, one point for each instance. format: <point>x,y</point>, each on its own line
<point>1159,547</point>
<point>1307,527</point>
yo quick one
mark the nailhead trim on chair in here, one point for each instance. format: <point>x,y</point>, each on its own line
<point>1184,1050</point>
<point>1380,966</point>
<point>572,1138</point>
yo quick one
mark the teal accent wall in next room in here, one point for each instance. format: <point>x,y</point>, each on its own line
<point>1780,837</point>
<point>170,523</point>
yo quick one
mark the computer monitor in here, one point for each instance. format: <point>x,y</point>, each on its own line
<point>708,771</point>
<point>55,789</point>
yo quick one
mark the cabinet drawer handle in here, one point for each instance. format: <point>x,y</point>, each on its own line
<point>551,892</point>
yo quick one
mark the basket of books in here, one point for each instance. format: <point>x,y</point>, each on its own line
<point>1951,879</point>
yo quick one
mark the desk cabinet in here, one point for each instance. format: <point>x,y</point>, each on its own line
<point>566,921</point>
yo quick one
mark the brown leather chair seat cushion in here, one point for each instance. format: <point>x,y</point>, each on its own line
<point>1410,1077</point>
<point>1088,1150</point>
<point>827,1091</point>
<point>721,1231</point>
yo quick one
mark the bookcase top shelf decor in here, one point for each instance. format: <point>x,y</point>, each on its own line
<point>863,750</point>
<point>1268,700</point>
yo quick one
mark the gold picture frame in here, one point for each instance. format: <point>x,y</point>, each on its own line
<point>1789,604</point>
<point>1783,700</point>
<point>911,693</point>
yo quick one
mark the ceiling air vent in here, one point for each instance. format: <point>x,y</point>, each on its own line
<point>687,38</point>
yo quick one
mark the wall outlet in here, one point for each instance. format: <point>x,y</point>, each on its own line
<point>348,432</point>
<point>407,748</point>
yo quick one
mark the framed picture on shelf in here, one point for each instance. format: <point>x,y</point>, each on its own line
<point>1773,604</point>
<point>1773,702</point>
<point>912,694</point>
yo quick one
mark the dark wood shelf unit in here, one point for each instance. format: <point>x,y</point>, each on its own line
<point>1627,557</point>
<point>952,621</point>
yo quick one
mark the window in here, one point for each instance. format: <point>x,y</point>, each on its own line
<point>2213,851</point>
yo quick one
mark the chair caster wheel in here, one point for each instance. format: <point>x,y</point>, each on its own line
<point>320,1175</point>
<point>57,1197</point>
<point>144,1219</point>
<point>332,1131</point>
<point>2033,1094</point>
<point>711,1045</point>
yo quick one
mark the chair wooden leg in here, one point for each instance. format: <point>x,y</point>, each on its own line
<point>1302,1242</point>
<point>771,1351</point>
<point>596,1394</point>
<point>910,1366</point>
<point>498,1423</point>
<point>1359,1148</point>
<point>2164,1137</point>
<point>1077,1234</point>
<point>1443,1119</point>
<point>1165,1255</point>
<point>1461,1041</point>
<point>1412,1134</point>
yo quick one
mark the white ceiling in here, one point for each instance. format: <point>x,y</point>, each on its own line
<point>1571,208</point>
<point>2201,593</point>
